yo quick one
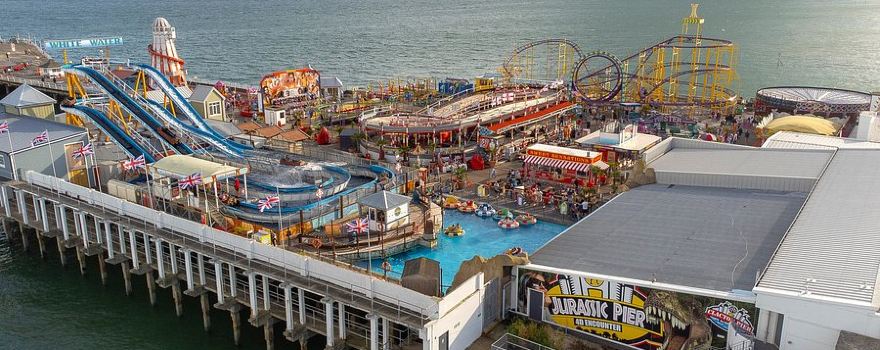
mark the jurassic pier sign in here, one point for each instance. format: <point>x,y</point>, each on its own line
<point>82,43</point>
<point>639,317</point>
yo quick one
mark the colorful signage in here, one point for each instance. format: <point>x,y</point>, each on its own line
<point>643,318</point>
<point>82,43</point>
<point>559,156</point>
<point>291,86</point>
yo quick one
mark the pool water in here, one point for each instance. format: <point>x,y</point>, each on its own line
<point>482,237</point>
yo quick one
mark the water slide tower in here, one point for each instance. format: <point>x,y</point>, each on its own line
<point>163,52</point>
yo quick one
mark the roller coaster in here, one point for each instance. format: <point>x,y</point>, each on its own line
<point>685,72</point>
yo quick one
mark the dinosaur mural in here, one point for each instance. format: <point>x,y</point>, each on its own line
<point>642,318</point>
<point>685,326</point>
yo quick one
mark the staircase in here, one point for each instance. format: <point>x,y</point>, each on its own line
<point>215,217</point>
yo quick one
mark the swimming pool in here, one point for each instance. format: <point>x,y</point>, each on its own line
<point>482,237</point>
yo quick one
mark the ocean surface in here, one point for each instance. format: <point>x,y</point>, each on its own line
<point>44,306</point>
<point>781,42</point>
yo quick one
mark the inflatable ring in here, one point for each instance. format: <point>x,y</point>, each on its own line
<point>453,231</point>
<point>468,207</point>
<point>508,223</point>
<point>485,210</point>
<point>386,265</point>
<point>527,219</point>
<point>515,251</point>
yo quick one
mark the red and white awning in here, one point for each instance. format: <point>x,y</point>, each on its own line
<point>556,163</point>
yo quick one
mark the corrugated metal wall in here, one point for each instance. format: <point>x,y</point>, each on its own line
<point>768,183</point>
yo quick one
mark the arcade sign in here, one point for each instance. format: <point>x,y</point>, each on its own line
<point>82,43</point>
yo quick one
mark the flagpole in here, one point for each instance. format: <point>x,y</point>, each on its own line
<point>149,187</point>
<point>51,155</point>
<point>280,224</point>
<point>97,172</point>
<point>11,157</point>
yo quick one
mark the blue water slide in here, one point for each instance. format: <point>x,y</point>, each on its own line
<point>169,119</point>
<point>250,210</point>
<point>132,107</point>
<point>183,105</point>
<point>132,148</point>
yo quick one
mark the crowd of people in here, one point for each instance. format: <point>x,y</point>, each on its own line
<point>574,202</point>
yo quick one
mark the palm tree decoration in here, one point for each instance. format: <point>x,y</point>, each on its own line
<point>403,151</point>
<point>381,143</point>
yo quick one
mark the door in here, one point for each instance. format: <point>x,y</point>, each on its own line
<point>491,303</point>
<point>536,304</point>
<point>444,341</point>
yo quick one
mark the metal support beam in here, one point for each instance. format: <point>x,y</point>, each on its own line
<point>160,258</point>
<point>374,331</point>
<point>328,313</point>
<point>4,194</point>
<point>187,265</point>
<point>108,237</point>
<point>252,293</point>
<point>134,253</point>
<point>62,219</point>
<point>218,276</point>
<point>341,321</point>
<point>45,215</point>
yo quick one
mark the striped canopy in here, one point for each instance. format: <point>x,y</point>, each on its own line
<point>556,163</point>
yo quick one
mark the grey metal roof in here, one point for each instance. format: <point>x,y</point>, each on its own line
<point>833,248</point>
<point>25,95</point>
<point>797,140</point>
<point>22,131</point>
<point>755,168</point>
<point>330,82</point>
<point>201,93</point>
<point>700,237</point>
<point>224,128</point>
<point>383,200</point>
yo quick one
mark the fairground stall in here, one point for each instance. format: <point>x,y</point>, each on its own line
<point>560,164</point>
<point>625,146</point>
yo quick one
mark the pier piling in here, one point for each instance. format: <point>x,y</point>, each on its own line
<point>102,267</point>
<point>61,253</point>
<point>178,298</point>
<point>206,312</point>
<point>151,287</point>
<point>126,276</point>
<point>24,239</point>
<point>41,244</point>
<point>81,257</point>
<point>236,326</point>
<point>269,334</point>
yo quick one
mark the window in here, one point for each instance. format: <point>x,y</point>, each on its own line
<point>3,162</point>
<point>214,109</point>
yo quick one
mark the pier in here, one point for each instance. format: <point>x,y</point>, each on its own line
<point>268,285</point>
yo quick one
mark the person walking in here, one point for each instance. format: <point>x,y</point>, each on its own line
<point>492,173</point>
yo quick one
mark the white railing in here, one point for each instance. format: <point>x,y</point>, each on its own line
<point>511,342</point>
<point>378,292</point>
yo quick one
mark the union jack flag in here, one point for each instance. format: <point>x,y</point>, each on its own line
<point>4,127</point>
<point>359,225</point>
<point>83,151</point>
<point>319,193</point>
<point>268,202</point>
<point>137,163</point>
<point>190,181</point>
<point>42,137</point>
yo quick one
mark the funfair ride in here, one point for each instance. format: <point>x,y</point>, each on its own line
<point>687,73</point>
<point>163,52</point>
